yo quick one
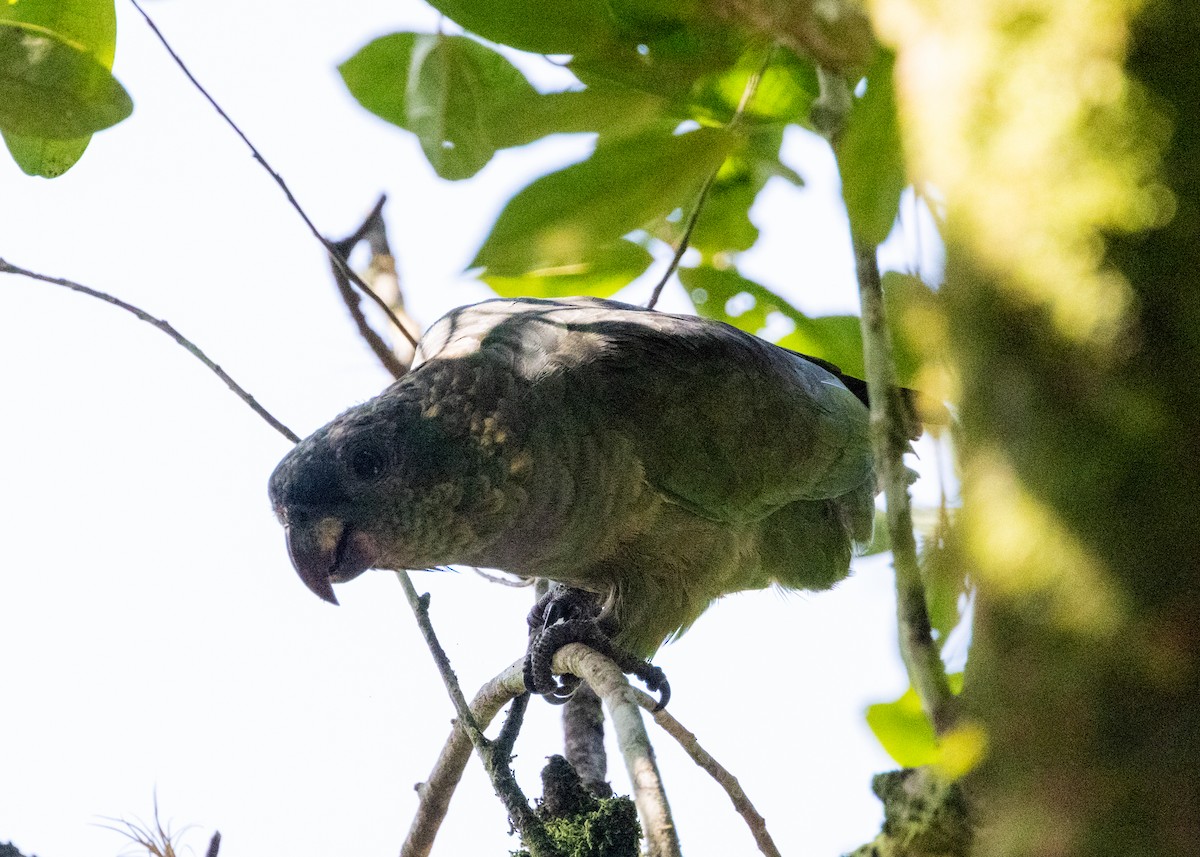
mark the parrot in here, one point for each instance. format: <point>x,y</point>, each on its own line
<point>651,462</point>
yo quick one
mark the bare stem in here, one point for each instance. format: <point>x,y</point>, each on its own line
<point>180,339</point>
<point>702,196</point>
<point>583,739</point>
<point>338,262</point>
<point>434,794</point>
<point>889,438</point>
<point>691,745</point>
<point>494,755</point>
<point>373,232</point>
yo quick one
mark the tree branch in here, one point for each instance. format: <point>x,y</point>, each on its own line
<point>338,262</point>
<point>373,231</point>
<point>890,441</point>
<point>495,755</point>
<point>583,739</point>
<point>180,339</point>
<point>434,794</point>
<point>726,780</point>
<point>610,684</point>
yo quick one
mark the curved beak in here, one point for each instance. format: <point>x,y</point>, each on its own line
<point>325,552</point>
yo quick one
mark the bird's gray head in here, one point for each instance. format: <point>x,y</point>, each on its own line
<point>381,486</point>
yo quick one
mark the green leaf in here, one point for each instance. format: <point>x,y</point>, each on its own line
<point>906,734</point>
<point>562,218</point>
<point>39,156</point>
<point>377,76</point>
<point>871,158</point>
<point>785,92</point>
<point>561,27</point>
<point>610,110</point>
<point>457,92</point>
<point>92,25</point>
<point>458,96</point>
<point>914,310</point>
<point>52,88</point>
<point>670,65</point>
<point>903,730</point>
<point>602,273</point>
<point>724,225</point>
<point>835,338</point>
<point>89,24</point>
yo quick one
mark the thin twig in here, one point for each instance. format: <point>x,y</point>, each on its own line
<point>691,745</point>
<point>610,684</point>
<point>726,780</point>
<point>433,795</point>
<point>371,231</point>
<point>180,339</point>
<point>684,239</point>
<point>747,94</point>
<point>325,242</point>
<point>502,747</point>
<point>515,583</point>
<point>522,816</point>
<point>420,607</point>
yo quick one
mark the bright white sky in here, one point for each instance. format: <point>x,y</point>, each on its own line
<point>152,632</point>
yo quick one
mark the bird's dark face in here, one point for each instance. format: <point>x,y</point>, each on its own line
<point>379,487</point>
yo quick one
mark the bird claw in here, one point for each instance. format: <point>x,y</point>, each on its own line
<point>571,616</point>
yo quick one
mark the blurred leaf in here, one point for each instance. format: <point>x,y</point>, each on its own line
<point>903,730</point>
<point>944,577</point>
<point>602,273</point>
<point>961,751</point>
<point>906,734</point>
<point>564,217</point>
<point>52,88</point>
<point>914,313</point>
<point>724,225</point>
<point>647,19</point>
<point>92,25</point>
<point>377,76</point>
<point>561,27</point>
<point>458,92</point>
<point>832,338</point>
<point>870,157</point>
<point>607,109</point>
<point>668,65</point>
<point>785,92</point>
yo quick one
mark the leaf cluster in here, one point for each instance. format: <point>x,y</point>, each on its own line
<point>678,99</point>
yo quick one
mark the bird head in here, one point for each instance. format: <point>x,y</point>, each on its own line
<point>381,486</point>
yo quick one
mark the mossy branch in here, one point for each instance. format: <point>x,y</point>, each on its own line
<point>890,441</point>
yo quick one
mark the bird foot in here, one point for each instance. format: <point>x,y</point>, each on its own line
<point>572,616</point>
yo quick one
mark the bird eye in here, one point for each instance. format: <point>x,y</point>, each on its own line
<point>367,462</point>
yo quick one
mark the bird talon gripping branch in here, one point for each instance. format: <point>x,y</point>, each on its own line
<point>656,461</point>
<point>546,641</point>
